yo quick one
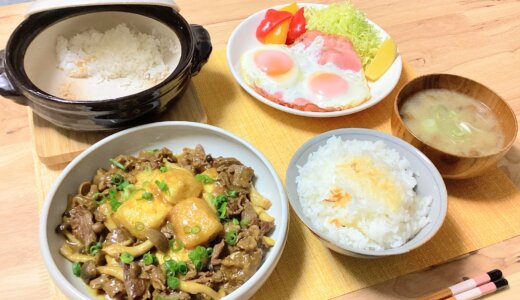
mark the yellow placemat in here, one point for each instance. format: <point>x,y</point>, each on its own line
<point>481,211</point>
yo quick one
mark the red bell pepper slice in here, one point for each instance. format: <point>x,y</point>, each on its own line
<point>271,20</point>
<point>297,26</point>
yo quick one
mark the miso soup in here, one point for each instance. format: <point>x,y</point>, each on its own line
<point>453,122</point>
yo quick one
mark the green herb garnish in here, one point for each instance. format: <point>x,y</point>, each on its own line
<point>117,164</point>
<point>76,269</point>
<point>195,229</point>
<point>147,196</point>
<point>220,203</point>
<point>162,186</point>
<point>204,178</point>
<point>98,199</point>
<point>232,194</point>
<point>94,248</point>
<point>231,237</point>
<point>172,282</point>
<point>126,258</point>
<point>149,259</point>
<point>176,245</point>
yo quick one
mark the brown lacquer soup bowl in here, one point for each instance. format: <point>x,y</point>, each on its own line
<point>453,166</point>
<point>28,65</point>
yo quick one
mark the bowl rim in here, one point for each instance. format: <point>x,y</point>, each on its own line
<point>399,99</point>
<point>27,86</point>
<point>320,139</point>
<point>253,283</point>
<point>363,106</point>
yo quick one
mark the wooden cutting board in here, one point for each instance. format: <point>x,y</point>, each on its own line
<point>56,145</point>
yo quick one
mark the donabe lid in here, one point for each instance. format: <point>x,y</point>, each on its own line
<point>45,5</point>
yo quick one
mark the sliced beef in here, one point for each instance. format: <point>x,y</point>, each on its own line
<point>249,215</point>
<point>136,287</point>
<point>155,159</point>
<point>109,285</point>
<point>218,250</point>
<point>88,270</point>
<point>210,278</point>
<point>81,224</point>
<point>266,227</point>
<point>118,236</point>
<point>236,205</point>
<point>157,277</point>
<point>248,238</point>
<point>221,163</point>
<point>85,201</point>
<point>194,159</point>
<point>192,272</point>
<point>238,267</point>
<point>236,177</point>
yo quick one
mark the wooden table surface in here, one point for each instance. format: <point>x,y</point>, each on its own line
<point>476,39</point>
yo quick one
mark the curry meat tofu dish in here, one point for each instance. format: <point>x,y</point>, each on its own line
<point>165,226</point>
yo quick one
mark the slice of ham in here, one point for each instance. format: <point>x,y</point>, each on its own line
<point>336,49</point>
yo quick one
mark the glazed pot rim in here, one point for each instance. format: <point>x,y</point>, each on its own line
<point>399,99</point>
<point>25,85</point>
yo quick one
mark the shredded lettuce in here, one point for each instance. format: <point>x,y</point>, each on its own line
<point>345,20</point>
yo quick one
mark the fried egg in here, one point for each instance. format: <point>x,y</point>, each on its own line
<point>319,72</point>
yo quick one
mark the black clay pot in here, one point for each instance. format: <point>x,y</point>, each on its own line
<point>105,114</point>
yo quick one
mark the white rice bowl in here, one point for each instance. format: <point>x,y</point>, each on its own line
<point>360,194</point>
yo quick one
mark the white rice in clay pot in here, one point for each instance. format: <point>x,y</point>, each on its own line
<point>119,52</point>
<point>361,194</point>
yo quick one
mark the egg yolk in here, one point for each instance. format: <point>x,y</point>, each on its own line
<point>328,85</point>
<point>273,62</point>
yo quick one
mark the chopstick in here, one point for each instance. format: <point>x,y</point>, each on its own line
<point>481,290</point>
<point>465,285</point>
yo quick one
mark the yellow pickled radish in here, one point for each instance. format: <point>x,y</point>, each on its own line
<point>292,8</point>
<point>384,58</point>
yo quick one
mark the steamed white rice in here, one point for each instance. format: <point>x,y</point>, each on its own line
<point>361,194</point>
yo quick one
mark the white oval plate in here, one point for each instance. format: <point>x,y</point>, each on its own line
<point>243,38</point>
<point>175,136</point>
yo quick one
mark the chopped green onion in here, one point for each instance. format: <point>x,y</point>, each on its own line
<point>117,164</point>
<point>195,229</point>
<point>114,204</point>
<point>231,237</point>
<point>153,151</point>
<point>182,267</point>
<point>172,282</point>
<point>117,179</point>
<point>233,194</point>
<point>204,178</point>
<point>76,269</point>
<point>127,191</point>
<point>176,245</point>
<point>98,199</point>
<point>94,248</point>
<point>220,203</point>
<point>159,297</point>
<point>235,221</point>
<point>198,265</point>
<point>170,266</point>
<point>164,169</point>
<point>126,257</point>
<point>162,185</point>
<point>148,258</point>
<point>187,229</point>
<point>244,222</point>
<point>209,251</point>
<point>139,226</point>
<point>147,196</point>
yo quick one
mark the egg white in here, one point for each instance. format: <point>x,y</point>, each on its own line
<point>294,85</point>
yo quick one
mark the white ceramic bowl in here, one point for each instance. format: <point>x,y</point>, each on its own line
<point>429,182</point>
<point>243,38</point>
<point>175,136</point>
